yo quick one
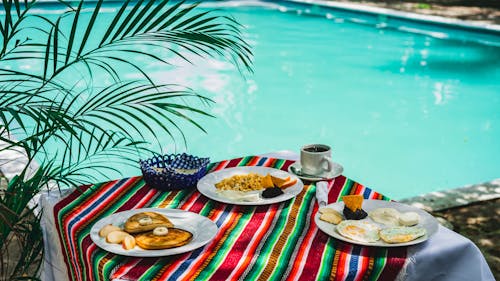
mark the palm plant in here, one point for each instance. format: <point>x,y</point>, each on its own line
<point>61,99</point>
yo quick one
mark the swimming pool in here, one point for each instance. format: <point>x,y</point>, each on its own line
<point>406,110</point>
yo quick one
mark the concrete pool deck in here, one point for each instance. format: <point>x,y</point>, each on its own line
<point>412,13</point>
<point>477,11</point>
<point>456,197</point>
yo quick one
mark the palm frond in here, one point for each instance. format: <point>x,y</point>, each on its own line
<point>60,100</point>
<point>72,34</point>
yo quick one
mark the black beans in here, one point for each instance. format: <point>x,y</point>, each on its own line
<point>272,192</point>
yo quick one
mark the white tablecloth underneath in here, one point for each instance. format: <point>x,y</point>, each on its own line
<point>447,256</point>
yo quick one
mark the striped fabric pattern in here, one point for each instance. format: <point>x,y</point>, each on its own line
<point>273,242</point>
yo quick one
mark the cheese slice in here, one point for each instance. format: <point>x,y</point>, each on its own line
<point>409,218</point>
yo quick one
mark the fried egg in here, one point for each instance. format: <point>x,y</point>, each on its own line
<point>401,234</point>
<point>362,231</point>
<point>386,216</point>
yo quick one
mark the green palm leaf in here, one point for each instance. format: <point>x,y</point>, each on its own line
<point>61,100</point>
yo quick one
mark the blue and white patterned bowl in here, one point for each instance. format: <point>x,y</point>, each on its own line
<point>173,171</point>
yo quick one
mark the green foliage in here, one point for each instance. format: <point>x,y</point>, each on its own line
<point>21,237</point>
<point>423,6</point>
<point>61,100</point>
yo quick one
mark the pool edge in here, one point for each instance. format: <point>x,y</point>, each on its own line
<point>456,197</point>
<point>492,29</point>
<point>429,19</point>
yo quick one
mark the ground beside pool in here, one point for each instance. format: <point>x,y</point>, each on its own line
<point>481,11</point>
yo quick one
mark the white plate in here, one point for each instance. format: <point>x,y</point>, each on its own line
<point>336,171</point>
<point>206,185</point>
<point>426,221</point>
<point>202,228</point>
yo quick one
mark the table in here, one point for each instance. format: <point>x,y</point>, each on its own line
<point>275,242</point>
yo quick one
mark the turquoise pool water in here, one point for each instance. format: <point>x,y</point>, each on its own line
<point>405,112</point>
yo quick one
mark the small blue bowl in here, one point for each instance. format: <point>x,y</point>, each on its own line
<point>173,171</point>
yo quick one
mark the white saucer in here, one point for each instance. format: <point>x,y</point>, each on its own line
<point>335,172</point>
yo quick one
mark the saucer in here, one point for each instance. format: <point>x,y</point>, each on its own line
<point>335,172</point>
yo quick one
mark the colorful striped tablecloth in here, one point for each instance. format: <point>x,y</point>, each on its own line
<point>273,242</point>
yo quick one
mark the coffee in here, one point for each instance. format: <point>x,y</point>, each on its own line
<point>316,149</point>
<point>315,159</point>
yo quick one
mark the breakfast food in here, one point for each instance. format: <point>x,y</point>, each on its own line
<point>107,229</point>
<point>352,209</point>
<point>128,242</point>
<point>241,196</point>
<point>160,231</point>
<point>331,217</point>
<point>148,230</point>
<point>279,182</point>
<point>391,217</point>
<point>409,219</point>
<point>386,216</point>
<point>245,182</point>
<point>323,210</point>
<point>283,183</point>
<point>272,192</point>
<point>362,231</point>
<point>353,202</point>
<point>386,223</point>
<point>247,187</point>
<point>401,234</point>
<point>146,221</point>
<point>121,237</point>
<point>173,238</point>
<point>289,183</point>
<point>267,181</point>
<point>253,181</point>
<point>116,237</point>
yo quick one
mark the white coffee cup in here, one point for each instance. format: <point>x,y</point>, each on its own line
<point>316,159</point>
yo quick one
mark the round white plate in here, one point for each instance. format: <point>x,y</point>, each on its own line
<point>336,171</point>
<point>206,185</point>
<point>202,228</point>
<point>426,221</point>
